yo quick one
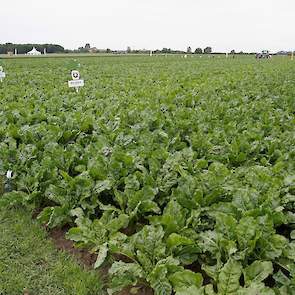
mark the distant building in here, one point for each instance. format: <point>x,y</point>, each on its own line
<point>283,53</point>
<point>34,51</point>
<point>119,51</point>
<point>92,50</point>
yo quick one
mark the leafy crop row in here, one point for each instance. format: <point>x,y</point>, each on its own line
<point>183,171</point>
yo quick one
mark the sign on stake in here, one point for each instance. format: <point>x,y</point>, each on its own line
<point>2,74</point>
<point>9,174</point>
<point>76,82</point>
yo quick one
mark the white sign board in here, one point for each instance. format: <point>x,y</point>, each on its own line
<point>9,174</point>
<point>76,82</point>
<point>2,74</point>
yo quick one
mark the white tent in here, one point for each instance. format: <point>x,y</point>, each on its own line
<point>34,51</point>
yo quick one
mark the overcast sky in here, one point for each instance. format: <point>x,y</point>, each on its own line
<point>248,25</point>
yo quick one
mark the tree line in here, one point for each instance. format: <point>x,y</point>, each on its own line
<point>55,48</point>
<point>88,48</point>
<point>24,48</point>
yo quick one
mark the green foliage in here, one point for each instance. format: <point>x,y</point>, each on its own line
<point>124,275</point>
<point>228,279</point>
<point>186,279</point>
<point>193,170</point>
<point>257,272</point>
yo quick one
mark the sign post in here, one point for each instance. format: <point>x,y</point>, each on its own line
<point>2,74</point>
<point>76,82</point>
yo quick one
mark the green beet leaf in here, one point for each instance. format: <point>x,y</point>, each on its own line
<point>257,272</point>
<point>229,276</point>
<point>184,279</point>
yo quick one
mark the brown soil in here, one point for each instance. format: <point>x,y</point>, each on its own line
<point>141,291</point>
<point>36,212</point>
<point>61,243</point>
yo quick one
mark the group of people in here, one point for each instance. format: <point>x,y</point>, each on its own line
<point>262,55</point>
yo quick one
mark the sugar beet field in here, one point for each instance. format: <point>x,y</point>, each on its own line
<point>178,173</point>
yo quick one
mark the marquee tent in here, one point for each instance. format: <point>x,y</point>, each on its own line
<point>34,51</point>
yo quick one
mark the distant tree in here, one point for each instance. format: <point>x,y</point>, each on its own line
<point>108,50</point>
<point>233,52</point>
<point>166,50</point>
<point>87,46</point>
<point>128,49</point>
<point>51,48</point>
<point>189,50</point>
<point>198,51</point>
<point>24,48</point>
<point>208,50</point>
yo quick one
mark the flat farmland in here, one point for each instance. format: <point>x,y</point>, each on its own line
<point>179,173</point>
